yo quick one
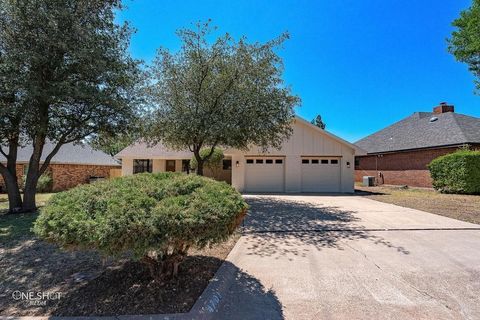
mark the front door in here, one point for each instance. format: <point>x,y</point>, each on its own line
<point>170,166</point>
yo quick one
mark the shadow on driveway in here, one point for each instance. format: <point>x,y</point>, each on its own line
<point>277,227</point>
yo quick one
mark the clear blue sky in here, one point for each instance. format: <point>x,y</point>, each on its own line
<point>362,65</point>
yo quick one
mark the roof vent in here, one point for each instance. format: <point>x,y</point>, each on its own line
<point>433,119</point>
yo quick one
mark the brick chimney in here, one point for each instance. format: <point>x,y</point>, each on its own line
<point>443,107</point>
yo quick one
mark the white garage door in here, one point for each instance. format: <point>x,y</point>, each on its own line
<point>320,174</point>
<point>264,174</point>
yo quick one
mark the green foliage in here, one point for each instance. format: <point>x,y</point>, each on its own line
<point>457,172</point>
<point>319,122</point>
<point>157,217</point>
<point>221,93</point>
<point>44,183</point>
<point>213,158</point>
<point>465,41</point>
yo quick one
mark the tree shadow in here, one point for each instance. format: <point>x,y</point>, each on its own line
<point>277,227</point>
<point>246,298</point>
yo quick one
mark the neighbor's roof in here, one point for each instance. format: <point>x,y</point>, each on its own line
<point>418,131</point>
<point>143,150</point>
<point>68,154</point>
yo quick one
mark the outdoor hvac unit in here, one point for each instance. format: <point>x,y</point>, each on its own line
<point>368,181</point>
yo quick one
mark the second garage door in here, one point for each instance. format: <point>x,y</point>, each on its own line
<point>264,174</point>
<point>320,174</point>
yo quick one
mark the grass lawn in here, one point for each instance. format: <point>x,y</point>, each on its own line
<point>89,284</point>
<point>41,199</point>
<point>461,207</point>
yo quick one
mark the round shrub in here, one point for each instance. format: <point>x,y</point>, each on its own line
<point>157,217</point>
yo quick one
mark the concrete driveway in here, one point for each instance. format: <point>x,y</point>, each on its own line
<point>348,257</point>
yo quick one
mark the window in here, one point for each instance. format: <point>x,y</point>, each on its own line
<point>314,161</point>
<point>269,161</point>
<point>305,161</point>
<point>324,161</point>
<point>278,161</point>
<point>334,161</point>
<point>259,161</point>
<point>140,165</point>
<point>249,160</point>
<point>227,164</point>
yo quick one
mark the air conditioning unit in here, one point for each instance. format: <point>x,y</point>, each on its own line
<point>368,181</point>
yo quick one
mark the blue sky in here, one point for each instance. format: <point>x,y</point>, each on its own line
<point>362,65</point>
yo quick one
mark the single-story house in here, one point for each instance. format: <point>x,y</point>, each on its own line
<point>311,160</point>
<point>74,164</point>
<point>400,153</point>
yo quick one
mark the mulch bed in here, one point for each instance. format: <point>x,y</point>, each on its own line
<point>89,285</point>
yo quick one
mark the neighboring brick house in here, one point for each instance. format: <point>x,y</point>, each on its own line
<point>74,164</point>
<point>400,153</point>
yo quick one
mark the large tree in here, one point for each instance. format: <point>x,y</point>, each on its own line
<point>75,77</point>
<point>221,93</point>
<point>318,122</point>
<point>465,41</point>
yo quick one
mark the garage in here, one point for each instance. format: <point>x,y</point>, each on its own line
<point>320,174</point>
<point>265,174</point>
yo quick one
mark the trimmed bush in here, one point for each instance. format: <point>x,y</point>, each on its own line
<point>457,172</point>
<point>157,217</point>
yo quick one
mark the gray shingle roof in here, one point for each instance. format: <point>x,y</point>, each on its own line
<point>68,154</point>
<point>141,150</point>
<point>417,131</point>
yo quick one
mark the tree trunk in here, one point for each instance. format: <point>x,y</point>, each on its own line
<point>200,162</point>
<point>165,268</point>
<point>13,191</point>
<point>30,189</point>
<point>9,174</point>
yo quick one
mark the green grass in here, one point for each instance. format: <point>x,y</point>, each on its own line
<point>41,199</point>
<point>16,226</point>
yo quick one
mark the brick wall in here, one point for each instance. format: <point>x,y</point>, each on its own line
<point>19,177</point>
<point>401,168</point>
<point>66,176</point>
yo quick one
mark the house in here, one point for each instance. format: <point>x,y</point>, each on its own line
<point>400,153</point>
<point>311,160</point>
<point>74,164</point>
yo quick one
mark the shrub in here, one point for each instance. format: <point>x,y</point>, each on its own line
<point>457,172</point>
<point>157,217</point>
<point>44,183</point>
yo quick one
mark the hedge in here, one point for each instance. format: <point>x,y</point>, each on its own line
<point>157,217</point>
<point>457,172</point>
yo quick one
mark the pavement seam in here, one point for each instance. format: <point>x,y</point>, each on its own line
<point>358,230</point>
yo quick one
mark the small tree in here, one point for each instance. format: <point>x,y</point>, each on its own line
<point>465,41</point>
<point>157,217</point>
<point>318,122</point>
<point>224,93</point>
<point>213,163</point>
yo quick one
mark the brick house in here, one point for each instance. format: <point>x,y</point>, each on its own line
<point>74,164</point>
<point>400,153</point>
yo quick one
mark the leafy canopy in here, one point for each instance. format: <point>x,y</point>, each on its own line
<point>465,41</point>
<point>319,122</point>
<point>220,93</point>
<point>214,160</point>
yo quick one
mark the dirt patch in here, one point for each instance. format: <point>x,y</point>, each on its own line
<point>461,207</point>
<point>82,283</point>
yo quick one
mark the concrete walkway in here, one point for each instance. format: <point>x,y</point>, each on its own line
<point>348,257</point>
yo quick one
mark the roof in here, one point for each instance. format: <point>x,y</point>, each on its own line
<point>143,150</point>
<point>418,131</point>
<point>68,154</point>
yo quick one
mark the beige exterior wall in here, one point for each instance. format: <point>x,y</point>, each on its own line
<point>306,140</point>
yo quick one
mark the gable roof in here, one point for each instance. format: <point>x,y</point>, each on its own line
<point>418,131</point>
<point>68,154</point>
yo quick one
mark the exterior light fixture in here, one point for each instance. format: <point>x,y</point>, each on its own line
<point>237,164</point>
